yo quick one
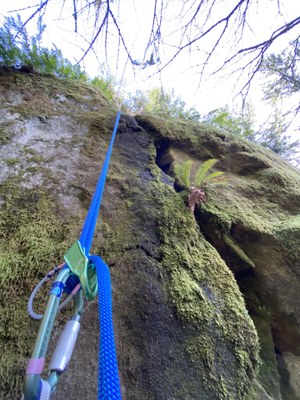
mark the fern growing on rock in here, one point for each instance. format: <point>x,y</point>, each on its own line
<point>195,185</point>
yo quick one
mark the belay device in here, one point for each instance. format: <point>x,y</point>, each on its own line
<point>81,274</point>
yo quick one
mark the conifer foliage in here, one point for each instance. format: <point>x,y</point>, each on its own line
<point>19,50</point>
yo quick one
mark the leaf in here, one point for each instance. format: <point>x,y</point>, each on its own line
<point>217,177</point>
<point>203,170</point>
<point>183,172</point>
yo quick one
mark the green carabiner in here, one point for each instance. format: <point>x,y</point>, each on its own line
<point>78,263</point>
<point>61,357</point>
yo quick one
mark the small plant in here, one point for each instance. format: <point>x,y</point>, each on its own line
<point>203,177</point>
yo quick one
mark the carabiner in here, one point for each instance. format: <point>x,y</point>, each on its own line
<point>34,384</point>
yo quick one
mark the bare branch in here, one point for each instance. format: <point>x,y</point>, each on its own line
<point>95,36</point>
<point>44,4</point>
<point>121,36</point>
<point>75,14</point>
<point>205,33</point>
<point>197,20</point>
<point>267,43</point>
<point>24,9</point>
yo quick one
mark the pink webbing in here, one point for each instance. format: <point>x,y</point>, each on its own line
<point>35,366</point>
<point>76,288</point>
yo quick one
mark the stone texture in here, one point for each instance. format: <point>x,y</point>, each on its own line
<point>182,328</point>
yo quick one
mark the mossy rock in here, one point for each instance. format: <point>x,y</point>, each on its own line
<point>181,323</point>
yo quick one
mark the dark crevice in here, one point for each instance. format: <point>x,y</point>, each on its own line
<point>250,285</point>
<point>162,147</point>
<point>220,238</point>
<point>273,371</point>
<point>164,161</point>
<point>209,227</point>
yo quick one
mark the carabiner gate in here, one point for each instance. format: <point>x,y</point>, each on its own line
<point>35,386</point>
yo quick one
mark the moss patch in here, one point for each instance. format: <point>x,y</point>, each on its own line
<point>33,235</point>
<point>204,293</point>
<point>11,161</point>
<point>288,232</point>
<point>238,251</point>
<point>45,96</point>
<point>5,135</point>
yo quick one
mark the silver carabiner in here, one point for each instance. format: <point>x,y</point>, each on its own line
<point>34,384</point>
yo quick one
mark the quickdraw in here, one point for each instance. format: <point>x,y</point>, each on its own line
<point>35,387</point>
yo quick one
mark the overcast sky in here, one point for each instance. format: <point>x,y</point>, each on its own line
<point>183,74</point>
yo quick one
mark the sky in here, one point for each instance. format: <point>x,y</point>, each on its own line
<point>182,75</point>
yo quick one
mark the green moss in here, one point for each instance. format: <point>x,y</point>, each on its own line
<point>288,232</point>
<point>174,129</point>
<point>35,157</point>
<point>33,239</point>
<point>33,169</point>
<point>38,90</point>
<point>257,392</point>
<point>238,251</point>
<point>5,135</point>
<point>202,347</point>
<point>281,176</point>
<point>203,350</point>
<point>268,373</point>
<point>95,120</point>
<point>191,303</point>
<point>204,293</point>
<point>113,237</point>
<point>35,106</point>
<point>216,215</point>
<point>11,161</point>
<point>256,177</point>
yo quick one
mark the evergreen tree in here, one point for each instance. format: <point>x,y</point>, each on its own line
<point>19,50</point>
<point>158,101</point>
<point>232,122</point>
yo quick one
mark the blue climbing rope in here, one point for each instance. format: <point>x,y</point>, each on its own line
<point>108,377</point>
<point>88,229</point>
<point>89,273</point>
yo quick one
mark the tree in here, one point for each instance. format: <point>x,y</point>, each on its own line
<point>158,101</point>
<point>273,134</point>
<point>232,122</point>
<point>18,49</point>
<point>282,82</point>
<point>282,72</point>
<point>177,28</point>
<point>26,52</point>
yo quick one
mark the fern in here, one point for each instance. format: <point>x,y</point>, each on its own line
<point>183,173</point>
<point>202,171</point>
<point>215,177</point>
<point>196,194</point>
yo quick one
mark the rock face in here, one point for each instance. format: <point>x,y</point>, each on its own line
<point>184,285</point>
